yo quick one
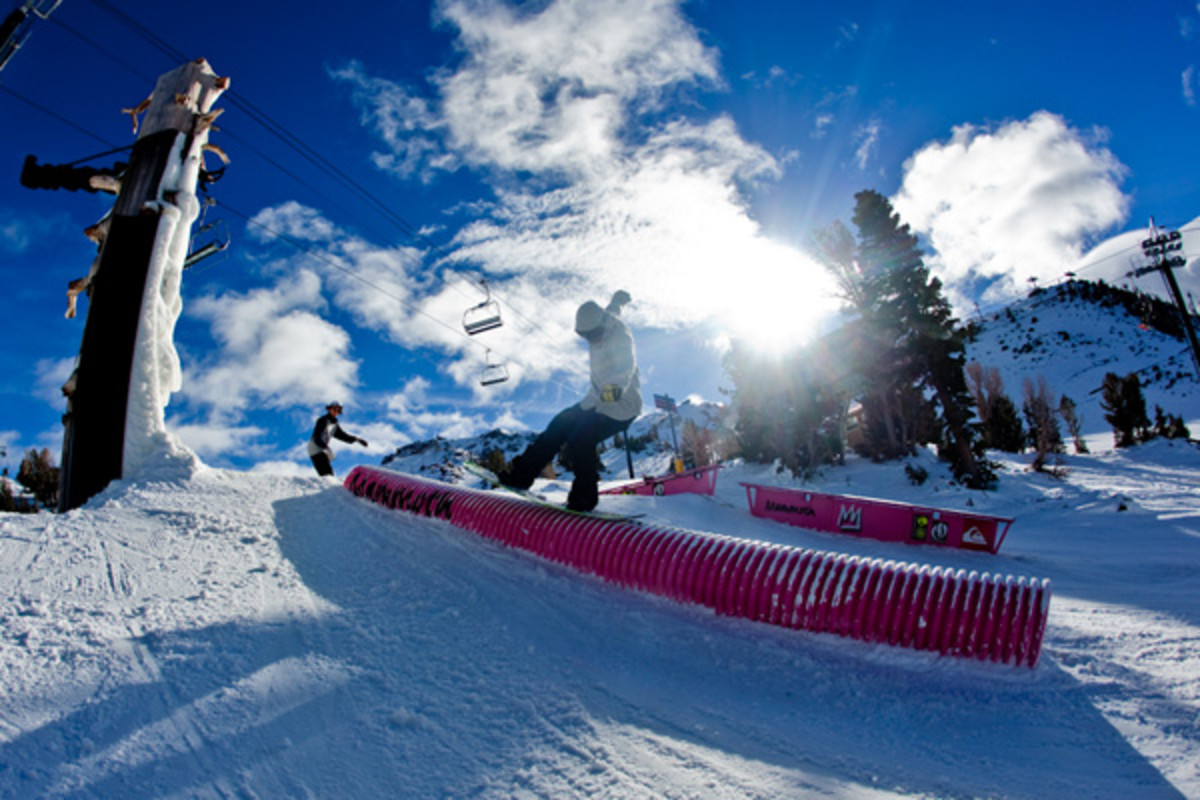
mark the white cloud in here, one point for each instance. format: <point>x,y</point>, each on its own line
<point>273,349</point>
<point>294,220</point>
<point>1189,85</point>
<point>549,89</point>
<point>50,375</point>
<point>821,125</point>
<point>215,439</point>
<point>607,195</point>
<point>1002,205</point>
<point>406,122</point>
<point>422,416</point>
<point>867,137</point>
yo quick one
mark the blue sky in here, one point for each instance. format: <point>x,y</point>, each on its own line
<point>562,150</point>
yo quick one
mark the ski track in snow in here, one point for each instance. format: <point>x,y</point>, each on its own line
<point>234,635</point>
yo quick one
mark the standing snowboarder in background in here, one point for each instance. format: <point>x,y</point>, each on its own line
<point>613,400</point>
<point>318,444</point>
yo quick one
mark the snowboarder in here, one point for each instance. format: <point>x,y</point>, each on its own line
<point>318,444</point>
<point>613,400</point>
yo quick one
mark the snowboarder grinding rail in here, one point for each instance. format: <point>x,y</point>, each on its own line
<point>327,427</point>
<point>613,400</point>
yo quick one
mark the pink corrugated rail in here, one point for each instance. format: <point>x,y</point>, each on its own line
<point>985,616</point>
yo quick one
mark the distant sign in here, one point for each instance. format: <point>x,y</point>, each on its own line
<point>665,402</point>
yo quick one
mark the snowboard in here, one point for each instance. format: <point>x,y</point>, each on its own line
<point>492,482</point>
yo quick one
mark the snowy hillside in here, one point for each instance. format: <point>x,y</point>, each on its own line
<point>210,633</point>
<point>1073,342</point>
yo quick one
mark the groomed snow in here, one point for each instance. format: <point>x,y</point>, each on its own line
<point>209,633</point>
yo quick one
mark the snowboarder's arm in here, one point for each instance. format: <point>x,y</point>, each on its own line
<point>341,435</point>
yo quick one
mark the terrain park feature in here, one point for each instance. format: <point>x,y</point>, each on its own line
<point>986,616</point>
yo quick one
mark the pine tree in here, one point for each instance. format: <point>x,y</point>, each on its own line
<point>1004,430</point>
<point>1125,407</point>
<point>914,360</point>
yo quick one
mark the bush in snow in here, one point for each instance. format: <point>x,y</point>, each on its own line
<point>38,474</point>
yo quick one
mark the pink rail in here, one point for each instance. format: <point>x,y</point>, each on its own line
<point>877,519</point>
<point>702,480</point>
<point>983,616</point>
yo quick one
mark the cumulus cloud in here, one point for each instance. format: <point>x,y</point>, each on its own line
<point>610,193</point>
<point>420,414</point>
<point>1005,204</point>
<point>274,349</point>
<point>213,440</point>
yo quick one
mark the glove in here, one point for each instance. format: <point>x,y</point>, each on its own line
<point>611,393</point>
<point>363,442</point>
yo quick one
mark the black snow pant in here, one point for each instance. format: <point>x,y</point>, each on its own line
<point>579,431</point>
<point>321,462</point>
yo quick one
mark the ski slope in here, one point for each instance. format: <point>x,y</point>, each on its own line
<point>210,633</point>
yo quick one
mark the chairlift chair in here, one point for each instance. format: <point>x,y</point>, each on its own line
<point>217,235</point>
<point>493,371</point>
<point>483,317</point>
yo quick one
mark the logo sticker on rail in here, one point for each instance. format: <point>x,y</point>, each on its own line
<point>850,518</point>
<point>975,538</point>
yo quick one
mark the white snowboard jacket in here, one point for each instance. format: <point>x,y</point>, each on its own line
<point>612,360</point>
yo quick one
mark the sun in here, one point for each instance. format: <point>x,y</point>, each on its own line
<point>780,308</point>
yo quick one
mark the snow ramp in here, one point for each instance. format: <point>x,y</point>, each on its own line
<point>984,616</point>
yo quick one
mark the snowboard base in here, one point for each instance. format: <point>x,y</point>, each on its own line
<point>491,481</point>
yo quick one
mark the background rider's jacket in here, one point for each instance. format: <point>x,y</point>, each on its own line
<point>325,428</point>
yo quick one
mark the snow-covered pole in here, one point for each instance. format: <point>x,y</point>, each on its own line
<point>127,364</point>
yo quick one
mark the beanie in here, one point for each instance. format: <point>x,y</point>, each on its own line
<point>588,318</point>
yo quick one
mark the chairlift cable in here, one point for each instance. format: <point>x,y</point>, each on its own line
<point>290,240</point>
<point>225,130</point>
<point>300,245</point>
<point>56,115</point>
<point>280,235</point>
<point>312,155</point>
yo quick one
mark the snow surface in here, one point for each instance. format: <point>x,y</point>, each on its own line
<point>211,633</point>
<point>194,632</point>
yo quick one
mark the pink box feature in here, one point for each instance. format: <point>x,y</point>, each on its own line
<point>877,519</point>
<point>968,615</point>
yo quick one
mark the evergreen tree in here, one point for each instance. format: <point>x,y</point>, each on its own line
<point>1004,430</point>
<point>785,409</point>
<point>910,355</point>
<point>1125,407</point>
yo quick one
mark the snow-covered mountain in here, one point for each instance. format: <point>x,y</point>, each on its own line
<point>199,633</point>
<point>1073,342</point>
